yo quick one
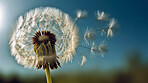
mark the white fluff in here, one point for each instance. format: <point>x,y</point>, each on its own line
<point>83,60</point>
<point>81,14</point>
<point>99,49</point>
<point>112,23</point>
<point>102,16</point>
<point>89,35</point>
<point>112,27</point>
<point>21,42</point>
<point>103,48</point>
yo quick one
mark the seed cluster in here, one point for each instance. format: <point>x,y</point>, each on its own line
<point>44,47</point>
<point>37,41</point>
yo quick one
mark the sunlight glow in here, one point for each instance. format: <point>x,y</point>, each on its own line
<point>0,15</point>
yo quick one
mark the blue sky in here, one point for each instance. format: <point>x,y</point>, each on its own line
<point>132,16</point>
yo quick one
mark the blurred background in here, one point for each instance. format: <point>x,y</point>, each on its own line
<point>125,62</point>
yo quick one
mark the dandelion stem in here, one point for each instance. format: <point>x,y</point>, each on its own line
<point>48,77</point>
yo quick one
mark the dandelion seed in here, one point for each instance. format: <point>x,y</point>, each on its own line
<point>102,16</point>
<point>103,32</point>
<point>89,35</point>
<point>112,23</point>
<point>103,48</point>
<point>109,33</point>
<point>81,14</point>
<point>83,60</point>
<point>93,48</point>
<point>99,49</point>
<point>111,28</point>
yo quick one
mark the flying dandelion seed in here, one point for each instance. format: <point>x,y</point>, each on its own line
<point>103,48</point>
<point>102,16</point>
<point>103,32</point>
<point>93,47</point>
<point>83,60</point>
<point>112,23</point>
<point>112,28</point>
<point>89,35</point>
<point>81,14</point>
<point>99,49</point>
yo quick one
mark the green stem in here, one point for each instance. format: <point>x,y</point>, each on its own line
<point>48,77</point>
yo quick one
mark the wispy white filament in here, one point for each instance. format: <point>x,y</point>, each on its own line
<point>99,49</point>
<point>50,19</point>
<point>112,24</point>
<point>103,48</point>
<point>93,48</point>
<point>89,35</point>
<point>83,60</point>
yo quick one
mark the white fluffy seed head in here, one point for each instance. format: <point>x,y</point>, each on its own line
<point>39,19</point>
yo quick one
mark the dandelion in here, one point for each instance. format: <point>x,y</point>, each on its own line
<point>43,37</point>
<point>83,60</point>
<point>46,37</point>
<point>102,16</point>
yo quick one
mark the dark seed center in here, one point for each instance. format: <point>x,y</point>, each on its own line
<point>45,37</point>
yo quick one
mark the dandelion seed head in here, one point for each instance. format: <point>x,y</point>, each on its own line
<point>38,27</point>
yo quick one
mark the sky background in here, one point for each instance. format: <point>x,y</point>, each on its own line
<point>132,16</point>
